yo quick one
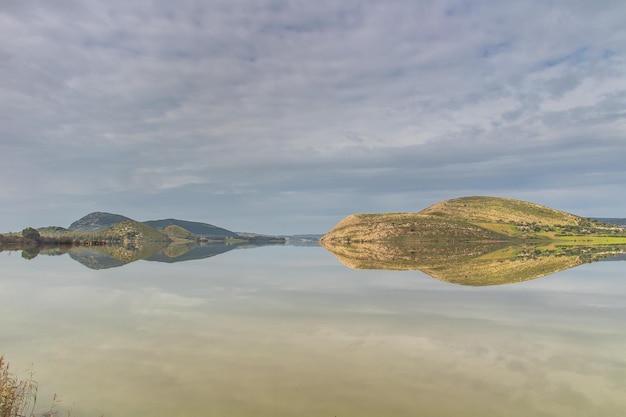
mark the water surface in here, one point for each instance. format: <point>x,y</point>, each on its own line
<point>290,331</point>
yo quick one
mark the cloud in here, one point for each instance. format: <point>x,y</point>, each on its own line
<point>270,99</point>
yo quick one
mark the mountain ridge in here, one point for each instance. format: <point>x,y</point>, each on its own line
<point>100,220</point>
<point>197,228</point>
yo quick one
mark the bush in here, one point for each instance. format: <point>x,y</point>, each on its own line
<point>31,234</point>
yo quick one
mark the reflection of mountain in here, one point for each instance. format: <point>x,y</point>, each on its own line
<point>111,256</point>
<point>93,259</point>
<point>476,265</point>
<point>184,252</point>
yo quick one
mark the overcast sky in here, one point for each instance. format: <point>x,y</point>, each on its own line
<point>279,116</point>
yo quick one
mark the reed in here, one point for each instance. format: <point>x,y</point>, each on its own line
<point>18,396</point>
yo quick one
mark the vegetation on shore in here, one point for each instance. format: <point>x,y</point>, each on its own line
<point>104,240</point>
<point>126,239</point>
<point>127,234</point>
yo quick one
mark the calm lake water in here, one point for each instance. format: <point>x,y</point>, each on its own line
<point>290,331</point>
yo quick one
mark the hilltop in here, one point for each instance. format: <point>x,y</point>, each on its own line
<point>468,219</point>
<point>97,221</point>
<point>501,210</point>
<point>618,221</point>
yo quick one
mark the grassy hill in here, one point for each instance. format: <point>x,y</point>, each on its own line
<point>177,232</point>
<point>99,220</point>
<point>197,228</point>
<point>474,240</point>
<point>469,219</point>
<point>121,232</point>
<point>501,210</point>
<point>408,226</point>
<point>131,230</point>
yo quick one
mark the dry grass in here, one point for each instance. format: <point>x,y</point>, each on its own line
<point>492,209</point>
<point>17,396</point>
<point>408,226</point>
<point>502,228</point>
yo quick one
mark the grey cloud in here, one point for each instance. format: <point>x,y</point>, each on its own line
<point>269,100</point>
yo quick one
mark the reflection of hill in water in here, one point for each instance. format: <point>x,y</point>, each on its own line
<point>186,252</point>
<point>94,259</point>
<point>111,256</point>
<point>471,264</point>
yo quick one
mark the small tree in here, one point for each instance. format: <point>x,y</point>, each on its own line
<point>31,234</point>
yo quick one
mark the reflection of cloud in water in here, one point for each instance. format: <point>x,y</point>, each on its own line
<point>187,343</point>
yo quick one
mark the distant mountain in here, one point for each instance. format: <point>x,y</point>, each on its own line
<point>611,220</point>
<point>197,228</point>
<point>115,226</point>
<point>52,230</point>
<point>311,236</point>
<point>101,220</point>
<point>97,221</point>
